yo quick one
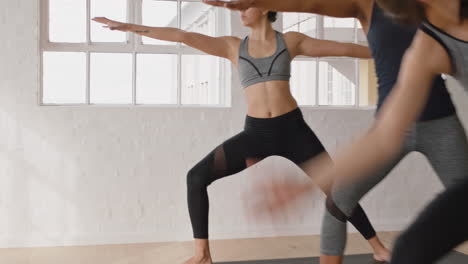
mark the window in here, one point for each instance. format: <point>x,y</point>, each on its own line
<point>330,81</point>
<point>85,64</point>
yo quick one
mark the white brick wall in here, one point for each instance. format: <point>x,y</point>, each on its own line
<point>94,175</point>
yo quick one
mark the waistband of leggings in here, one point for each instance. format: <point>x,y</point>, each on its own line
<point>275,122</point>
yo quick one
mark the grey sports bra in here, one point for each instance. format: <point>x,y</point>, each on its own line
<point>456,48</point>
<point>276,67</point>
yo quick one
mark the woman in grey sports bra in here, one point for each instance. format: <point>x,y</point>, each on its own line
<point>274,124</point>
<point>440,47</point>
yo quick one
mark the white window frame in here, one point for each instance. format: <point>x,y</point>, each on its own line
<point>134,45</point>
<point>319,32</point>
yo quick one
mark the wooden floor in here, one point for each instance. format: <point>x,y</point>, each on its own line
<point>176,253</point>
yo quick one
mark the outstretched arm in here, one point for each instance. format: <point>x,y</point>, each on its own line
<point>312,47</point>
<point>422,62</point>
<point>224,47</point>
<point>373,150</point>
<point>334,8</point>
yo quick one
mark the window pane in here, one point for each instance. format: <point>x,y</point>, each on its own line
<point>367,83</point>
<point>305,16</point>
<point>300,22</point>
<point>339,29</point>
<point>309,26</point>
<point>111,78</point>
<point>294,28</point>
<point>200,18</point>
<point>304,81</point>
<point>67,21</point>
<point>338,22</point>
<point>159,14</point>
<point>112,9</point>
<point>289,20</point>
<point>156,79</point>
<point>200,79</point>
<point>64,78</point>
<point>337,82</point>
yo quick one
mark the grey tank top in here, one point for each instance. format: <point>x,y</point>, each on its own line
<point>456,48</point>
<point>276,67</point>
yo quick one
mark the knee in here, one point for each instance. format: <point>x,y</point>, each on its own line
<point>344,200</point>
<point>197,178</point>
<point>333,210</point>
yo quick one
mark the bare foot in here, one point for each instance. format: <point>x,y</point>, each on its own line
<point>382,255</point>
<point>199,260</point>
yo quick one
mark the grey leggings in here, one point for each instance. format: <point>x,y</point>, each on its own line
<point>442,141</point>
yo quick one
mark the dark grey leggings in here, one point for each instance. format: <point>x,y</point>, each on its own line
<point>442,141</point>
<point>441,227</point>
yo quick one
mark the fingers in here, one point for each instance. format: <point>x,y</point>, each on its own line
<point>278,197</point>
<point>101,20</point>
<point>266,201</point>
<point>107,23</point>
<point>274,198</point>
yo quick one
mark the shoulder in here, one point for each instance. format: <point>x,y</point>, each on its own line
<point>292,38</point>
<point>234,41</point>
<point>429,54</point>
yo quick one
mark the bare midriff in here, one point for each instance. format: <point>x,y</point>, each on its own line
<point>269,99</point>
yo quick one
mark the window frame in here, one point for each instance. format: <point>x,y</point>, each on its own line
<point>134,46</point>
<point>358,37</point>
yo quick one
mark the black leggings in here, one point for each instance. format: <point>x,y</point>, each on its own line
<point>287,136</point>
<point>442,226</point>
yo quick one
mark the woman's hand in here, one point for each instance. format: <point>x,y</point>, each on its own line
<point>274,197</point>
<point>111,24</point>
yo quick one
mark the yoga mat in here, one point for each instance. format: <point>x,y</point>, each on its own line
<point>453,258</point>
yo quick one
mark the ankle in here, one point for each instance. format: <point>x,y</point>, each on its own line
<point>202,249</point>
<point>202,255</point>
<point>377,245</point>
